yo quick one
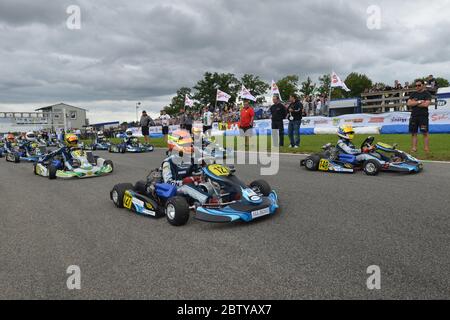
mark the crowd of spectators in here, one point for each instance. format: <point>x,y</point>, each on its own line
<point>430,82</point>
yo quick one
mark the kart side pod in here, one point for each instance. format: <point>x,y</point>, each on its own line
<point>347,158</point>
<point>166,191</point>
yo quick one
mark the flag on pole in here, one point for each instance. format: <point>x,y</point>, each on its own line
<point>222,96</point>
<point>188,102</point>
<point>245,94</point>
<point>275,90</point>
<point>336,82</point>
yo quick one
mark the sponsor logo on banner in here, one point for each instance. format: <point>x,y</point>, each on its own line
<point>336,122</point>
<point>376,120</point>
<point>399,119</point>
<point>306,122</point>
<point>439,117</point>
<point>319,122</point>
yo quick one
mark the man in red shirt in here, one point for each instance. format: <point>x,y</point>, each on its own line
<point>246,121</point>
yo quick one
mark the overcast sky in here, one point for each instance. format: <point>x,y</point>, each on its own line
<point>129,51</point>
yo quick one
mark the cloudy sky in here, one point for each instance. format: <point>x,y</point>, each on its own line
<point>129,51</point>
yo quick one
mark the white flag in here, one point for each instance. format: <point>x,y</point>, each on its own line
<point>245,94</point>
<point>275,90</point>
<point>336,82</point>
<point>222,96</point>
<point>188,101</point>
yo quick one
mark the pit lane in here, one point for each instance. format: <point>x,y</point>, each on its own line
<point>330,229</point>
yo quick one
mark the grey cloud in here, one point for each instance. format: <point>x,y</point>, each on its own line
<point>137,50</point>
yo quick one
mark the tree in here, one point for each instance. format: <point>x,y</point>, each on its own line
<point>256,86</point>
<point>324,88</point>
<point>357,83</point>
<point>442,83</point>
<point>206,89</point>
<point>308,87</point>
<point>288,86</point>
<point>178,101</point>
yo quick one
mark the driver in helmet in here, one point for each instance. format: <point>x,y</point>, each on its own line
<point>70,143</point>
<point>345,145</point>
<point>100,137</point>
<point>129,139</point>
<point>10,141</point>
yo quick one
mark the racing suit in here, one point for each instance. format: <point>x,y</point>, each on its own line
<point>347,147</point>
<point>172,174</point>
<point>66,154</point>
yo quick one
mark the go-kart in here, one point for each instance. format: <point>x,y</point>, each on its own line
<point>80,164</point>
<point>102,145</point>
<point>134,147</point>
<point>213,192</point>
<point>379,157</point>
<point>25,152</point>
<point>181,140</point>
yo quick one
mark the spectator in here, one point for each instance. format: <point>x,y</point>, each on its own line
<point>295,120</point>
<point>165,122</point>
<point>246,121</point>
<point>431,83</point>
<point>145,123</point>
<point>188,121</point>
<point>207,120</point>
<point>278,112</point>
<point>419,101</point>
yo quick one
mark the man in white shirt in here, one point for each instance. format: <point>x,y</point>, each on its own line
<point>165,122</point>
<point>207,121</point>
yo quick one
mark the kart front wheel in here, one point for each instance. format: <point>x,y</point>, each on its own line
<point>118,192</point>
<point>177,211</point>
<point>109,162</point>
<point>371,167</point>
<point>312,163</point>
<point>262,187</point>
<point>52,172</point>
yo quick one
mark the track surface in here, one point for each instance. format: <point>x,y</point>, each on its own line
<point>329,230</point>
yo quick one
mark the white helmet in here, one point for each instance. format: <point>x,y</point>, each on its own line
<point>129,133</point>
<point>100,134</point>
<point>30,136</point>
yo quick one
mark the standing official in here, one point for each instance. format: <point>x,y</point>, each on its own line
<point>279,113</point>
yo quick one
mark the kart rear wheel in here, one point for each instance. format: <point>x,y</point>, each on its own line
<point>16,158</point>
<point>118,192</point>
<point>262,187</point>
<point>109,162</point>
<point>52,172</point>
<point>123,149</point>
<point>371,167</point>
<point>177,211</point>
<point>312,163</point>
<point>35,168</point>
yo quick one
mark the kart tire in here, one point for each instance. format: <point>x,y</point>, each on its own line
<point>94,147</point>
<point>177,211</point>
<point>312,163</point>
<point>52,172</point>
<point>123,149</point>
<point>110,149</point>
<point>262,186</point>
<point>118,192</point>
<point>16,158</point>
<point>110,163</point>
<point>371,167</point>
<point>35,168</point>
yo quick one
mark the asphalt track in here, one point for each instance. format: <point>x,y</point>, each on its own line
<point>329,230</point>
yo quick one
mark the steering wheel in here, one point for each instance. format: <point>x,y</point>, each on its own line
<point>368,142</point>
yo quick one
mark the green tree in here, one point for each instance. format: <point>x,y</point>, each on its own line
<point>287,86</point>
<point>324,87</point>
<point>178,101</point>
<point>256,86</point>
<point>308,87</point>
<point>206,89</point>
<point>442,83</point>
<point>357,83</point>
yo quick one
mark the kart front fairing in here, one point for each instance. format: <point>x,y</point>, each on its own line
<point>250,206</point>
<point>84,168</point>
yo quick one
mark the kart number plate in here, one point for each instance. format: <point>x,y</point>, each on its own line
<point>324,165</point>
<point>260,213</point>
<point>127,201</point>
